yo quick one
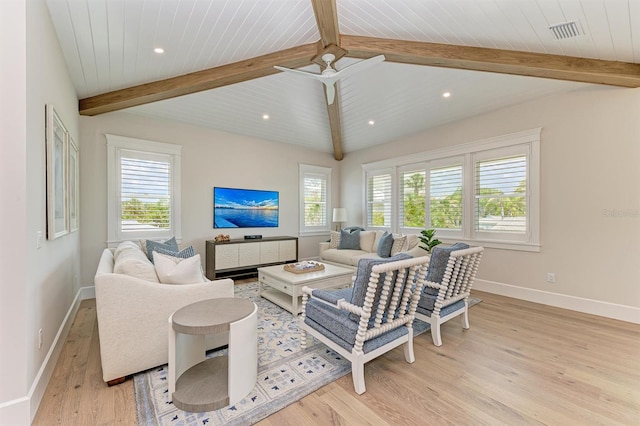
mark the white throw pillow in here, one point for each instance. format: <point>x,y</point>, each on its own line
<point>335,240</point>
<point>124,246</point>
<point>174,270</point>
<point>398,244</point>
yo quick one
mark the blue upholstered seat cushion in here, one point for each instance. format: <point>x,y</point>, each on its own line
<point>349,240</point>
<point>385,244</point>
<point>336,325</point>
<point>427,301</point>
<point>332,296</point>
<point>438,264</point>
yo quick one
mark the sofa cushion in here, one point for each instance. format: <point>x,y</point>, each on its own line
<point>132,261</point>
<point>385,244</point>
<point>367,239</point>
<point>123,246</point>
<point>175,270</point>
<point>412,241</point>
<point>341,256</point>
<point>349,240</point>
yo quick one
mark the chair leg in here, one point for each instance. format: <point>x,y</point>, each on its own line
<point>357,371</point>
<point>435,331</point>
<point>408,350</point>
<point>303,334</point>
<point>465,317</point>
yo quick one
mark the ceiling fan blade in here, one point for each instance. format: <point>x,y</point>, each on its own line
<point>359,66</point>
<point>295,71</point>
<point>331,91</point>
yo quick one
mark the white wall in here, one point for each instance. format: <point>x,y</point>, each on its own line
<point>13,222</point>
<point>590,151</point>
<point>209,158</point>
<point>38,284</point>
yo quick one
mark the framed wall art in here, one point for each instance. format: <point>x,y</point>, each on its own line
<point>73,186</point>
<point>57,146</point>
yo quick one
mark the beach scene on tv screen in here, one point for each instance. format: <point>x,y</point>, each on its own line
<point>244,208</point>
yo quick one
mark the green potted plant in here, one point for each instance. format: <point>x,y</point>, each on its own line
<point>428,240</point>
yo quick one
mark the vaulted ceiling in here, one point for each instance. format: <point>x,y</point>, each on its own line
<point>217,67</point>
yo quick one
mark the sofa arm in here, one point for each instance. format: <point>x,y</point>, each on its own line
<point>132,319</point>
<point>417,252</point>
<point>323,246</point>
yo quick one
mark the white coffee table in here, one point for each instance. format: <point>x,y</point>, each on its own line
<point>285,288</point>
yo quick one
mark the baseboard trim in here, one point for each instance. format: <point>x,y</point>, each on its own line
<point>15,412</point>
<point>573,303</point>
<point>46,370</point>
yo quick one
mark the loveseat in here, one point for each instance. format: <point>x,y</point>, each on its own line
<point>369,242</point>
<point>133,309</point>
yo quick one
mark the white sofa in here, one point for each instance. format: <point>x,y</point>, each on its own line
<point>330,253</point>
<point>133,316</point>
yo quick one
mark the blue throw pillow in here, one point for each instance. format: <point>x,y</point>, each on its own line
<point>183,254</point>
<point>171,245</point>
<point>349,241</point>
<point>385,244</point>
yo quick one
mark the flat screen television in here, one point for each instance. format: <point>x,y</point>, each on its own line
<point>244,208</point>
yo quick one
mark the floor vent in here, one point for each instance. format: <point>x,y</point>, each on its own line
<point>565,30</point>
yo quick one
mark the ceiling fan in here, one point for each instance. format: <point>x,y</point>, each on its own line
<point>329,76</point>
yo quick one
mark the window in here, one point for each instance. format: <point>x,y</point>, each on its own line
<point>412,190</point>
<point>485,192</point>
<point>500,192</point>
<point>379,199</point>
<point>446,196</point>
<point>315,184</point>
<point>143,189</point>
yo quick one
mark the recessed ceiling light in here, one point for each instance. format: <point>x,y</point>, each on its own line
<point>371,122</point>
<point>265,116</point>
<point>158,50</point>
<point>446,94</point>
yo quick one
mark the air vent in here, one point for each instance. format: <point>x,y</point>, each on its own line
<point>565,30</point>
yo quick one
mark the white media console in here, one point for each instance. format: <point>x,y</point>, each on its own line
<point>239,257</point>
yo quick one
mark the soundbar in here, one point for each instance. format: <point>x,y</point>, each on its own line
<point>253,237</point>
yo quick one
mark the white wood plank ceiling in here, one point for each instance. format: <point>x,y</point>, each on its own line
<point>109,45</point>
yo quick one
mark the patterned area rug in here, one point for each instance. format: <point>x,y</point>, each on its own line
<point>286,373</point>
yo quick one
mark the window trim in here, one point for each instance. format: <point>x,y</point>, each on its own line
<point>530,137</point>
<point>115,144</point>
<point>305,170</point>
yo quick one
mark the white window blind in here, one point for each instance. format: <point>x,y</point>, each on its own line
<point>145,191</point>
<point>315,196</point>
<point>413,205</point>
<point>315,200</point>
<point>500,193</point>
<point>445,197</point>
<point>379,199</point>
<point>143,187</point>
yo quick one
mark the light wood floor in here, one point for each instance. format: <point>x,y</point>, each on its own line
<point>520,363</point>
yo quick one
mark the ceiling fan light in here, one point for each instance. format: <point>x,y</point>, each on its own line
<point>446,94</point>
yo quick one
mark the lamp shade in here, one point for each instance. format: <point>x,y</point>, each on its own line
<point>339,214</point>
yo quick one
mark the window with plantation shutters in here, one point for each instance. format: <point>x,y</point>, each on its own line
<point>315,183</point>
<point>413,190</point>
<point>485,192</point>
<point>379,199</point>
<point>144,189</point>
<point>500,188</point>
<point>446,197</point>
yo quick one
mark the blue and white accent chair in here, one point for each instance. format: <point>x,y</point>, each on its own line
<point>372,317</point>
<point>452,271</point>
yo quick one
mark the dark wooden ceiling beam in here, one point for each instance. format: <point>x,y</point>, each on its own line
<point>212,78</point>
<point>495,60</point>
